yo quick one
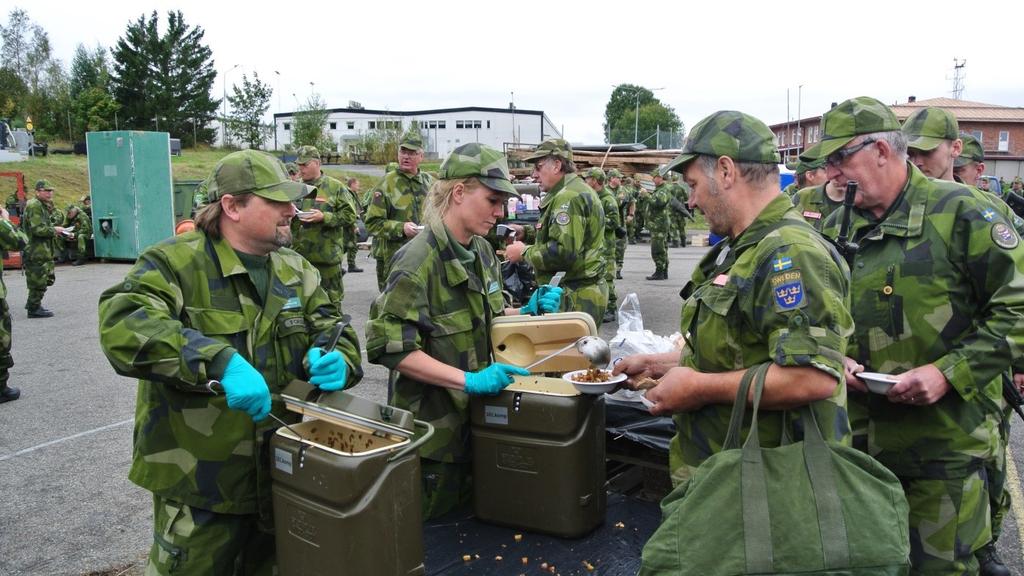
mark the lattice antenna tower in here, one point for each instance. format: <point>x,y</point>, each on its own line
<point>959,72</point>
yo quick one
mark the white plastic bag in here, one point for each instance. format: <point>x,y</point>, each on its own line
<point>631,338</point>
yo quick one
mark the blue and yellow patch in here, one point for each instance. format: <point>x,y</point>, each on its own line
<point>788,290</point>
<point>988,214</point>
<point>782,263</point>
<point>292,303</point>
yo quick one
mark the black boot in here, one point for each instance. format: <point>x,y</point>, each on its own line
<point>658,275</point>
<point>990,562</point>
<point>609,316</point>
<point>39,312</point>
<point>618,275</point>
<point>353,268</point>
<point>9,394</point>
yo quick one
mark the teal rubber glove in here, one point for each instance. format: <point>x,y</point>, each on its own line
<point>328,372</point>
<point>493,379</point>
<point>245,388</point>
<point>545,298</point>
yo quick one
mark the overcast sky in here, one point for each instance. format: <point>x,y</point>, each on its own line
<point>564,57</point>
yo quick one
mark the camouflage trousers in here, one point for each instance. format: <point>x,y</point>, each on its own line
<point>383,267</point>
<point>949,520</point>
<point>446,487</point>
<point>38,276</point>
<point>351,249</point>
<point>591,298</point>
<point>189,540</point>
<point>995,470</point>
<point>659,249</point>
<point>6,360</point>
<point>332,283</point>
<point>679,229</point>
<point>609,278</point>
<point>620,252</point>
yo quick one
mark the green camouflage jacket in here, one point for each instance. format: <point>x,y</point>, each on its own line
<point>776,293</point>
<point>82,221</point>
<point>321,243</point>
<point>937,281</point>
<point>10,239</point>
<point>658,212</point>
<point>435,304</point>
<point>624,196</point>
<point>37,222</point>
<point>791,189</point>
<point>611,218</point>
<point>570,234</point>
<point>814,205</point>
<point>397,199</point>
<point>183,302</point>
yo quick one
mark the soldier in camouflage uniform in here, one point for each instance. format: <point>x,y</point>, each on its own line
<point>934,143</point>
<point>938,291</point>
<point>224,308</point>
<point>10,239</point>
<point>38,255</point>
<point>772,291</point>
<point>658,223</point>
<point>626,206</point>
<point>677,210</point>
<point>570,232</point>
<point>970,164</point>
<point>351,240</point>
<point>432,322</point>
<point>320,235</point>
<point>76,242</point>
<point>595,178</point>
<point>396,204</point>
<point>642,196</point>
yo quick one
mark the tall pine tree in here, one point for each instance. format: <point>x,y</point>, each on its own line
<point>167,76</point>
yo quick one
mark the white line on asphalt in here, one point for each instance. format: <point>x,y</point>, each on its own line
<point>1013,485</point>
<point>65,439</point>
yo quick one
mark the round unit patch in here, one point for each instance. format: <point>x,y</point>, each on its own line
<point>562,218</point>
<point>1003,236</point>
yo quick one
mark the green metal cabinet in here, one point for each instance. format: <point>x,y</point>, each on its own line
<point>131,186</point>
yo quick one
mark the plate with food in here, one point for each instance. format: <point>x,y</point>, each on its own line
<point>877,382</point>
<point>594,380</point>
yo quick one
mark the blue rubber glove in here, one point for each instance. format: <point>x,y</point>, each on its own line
<point>245,388</point>
<point>493,379</point>
<point>329,371</point>
<point>545,298</point>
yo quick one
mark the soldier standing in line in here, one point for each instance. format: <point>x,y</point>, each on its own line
<point>10,239</point>
<point>643,196</point>
<point>595,178</point>
<point>396,204</point>
<point>327,215</point>
<point>626,207</point>
<point>38,255</point>
<point>351,240</point>
<point>733,311</point>
<point>570,232</point>
<point>678,211</point>
<point>938,287</point>
<point>658,223</point>
<point>448,276</point>
<point>215,323</point>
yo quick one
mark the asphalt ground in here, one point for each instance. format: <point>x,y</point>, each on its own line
<point>66,505</point>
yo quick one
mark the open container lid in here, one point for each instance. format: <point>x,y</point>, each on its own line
<point>341,407</point>
<point>522,340</point>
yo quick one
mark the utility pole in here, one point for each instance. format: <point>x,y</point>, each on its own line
<point>788,128</point>
<point>958,78</point>
<point>799,135</point>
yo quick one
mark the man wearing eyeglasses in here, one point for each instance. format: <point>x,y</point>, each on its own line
<point>937,289</point>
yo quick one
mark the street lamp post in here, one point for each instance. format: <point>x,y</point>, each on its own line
<point>278,106</point>
<point>799,135</point>
<point>224,103</point>
<point>636,118</point>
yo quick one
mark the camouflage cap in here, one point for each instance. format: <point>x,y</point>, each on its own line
<point>860,115</point>
<point>971,152</point>
<point>254,172</point>
<point>291,167</point>
<point>595,173</point>
<point>928,127</point>
<point>482,162</point>
<point>44,185</point>
<point>804,166</point>
<point>556,147</point>
<point>728,133</point>
<point>614,173</point>
<point>306,154</point>
<point>412,141</point>
<point>85,199</point>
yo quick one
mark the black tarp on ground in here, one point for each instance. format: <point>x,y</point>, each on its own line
<point>611,550</point>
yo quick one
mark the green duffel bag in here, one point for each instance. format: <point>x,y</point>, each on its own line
<point>807,507</point>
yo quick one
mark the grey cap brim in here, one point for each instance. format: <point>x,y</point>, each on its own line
<point>926,143</point>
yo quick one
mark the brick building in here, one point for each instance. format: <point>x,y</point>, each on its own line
<point>1000,129</point>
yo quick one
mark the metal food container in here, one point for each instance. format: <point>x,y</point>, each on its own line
<point>539,445</point>
<point>347,497</point>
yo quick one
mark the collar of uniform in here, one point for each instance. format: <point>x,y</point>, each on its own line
<point>905,218</point>
<point>764,223</point>
<point>454,272</point>
<point>550,194</point>
<point>230,264</point>
<point>414,177</point>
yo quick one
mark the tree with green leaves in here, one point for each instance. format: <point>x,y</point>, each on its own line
<point>13,93</point>
<point>165,79</point>
<point>625,122</point>
<point>92,104</point>
<point>25,51</point>
<point>248,106</point>
<point>311,125</point>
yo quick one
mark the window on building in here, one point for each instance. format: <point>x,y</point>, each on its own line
<point>977,135</point>
<point>334,125</point>
<point>476,124</point>
<point>1004,141</point>
<point>371,124</point>
<point>488,123</point>
<point>350,125</point>
<point>441,124</point>
<point>459,124</point>
<point>800,136</point>
<point>287,125</point>
<point>792,138</point>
